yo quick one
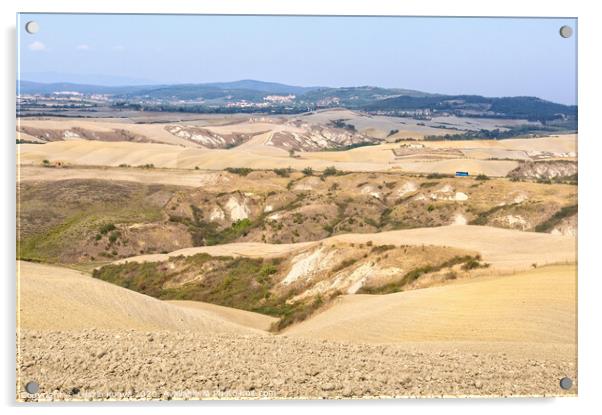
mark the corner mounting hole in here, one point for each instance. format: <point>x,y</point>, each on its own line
<point>566,31</point>
<point>566,383</point>
<point>32,387</point>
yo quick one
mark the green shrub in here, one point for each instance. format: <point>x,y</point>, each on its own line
<point>381,248</point>
<point>267,270</point>
<point>483,217</point>
<point>473,263</point>
<point>283,172</point>
<point>416,273</point>
<point>106,228</point>
<point>308,171</point>
<point>241,171</point>
<point>330,171</point>
<point>438,176</point>
<point>242,283</point>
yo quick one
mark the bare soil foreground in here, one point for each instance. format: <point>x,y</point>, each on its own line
<point>121,364</point>
<point>74,342</point>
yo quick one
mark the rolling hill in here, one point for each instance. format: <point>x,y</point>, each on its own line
<point>56,298</point>
<point>535,306</point>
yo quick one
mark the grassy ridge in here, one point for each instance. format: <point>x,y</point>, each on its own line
<point>56,217</point>
<point>242,283</point>
<point>468,262</point>
<point>248,283</point>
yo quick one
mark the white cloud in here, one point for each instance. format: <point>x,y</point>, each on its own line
<point>37,46</point>
<point>82,47</point>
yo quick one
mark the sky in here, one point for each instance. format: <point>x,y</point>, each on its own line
<point>484,56</point>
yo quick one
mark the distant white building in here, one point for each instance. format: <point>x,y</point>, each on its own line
<point>68,93</point>
<point>279,98</point>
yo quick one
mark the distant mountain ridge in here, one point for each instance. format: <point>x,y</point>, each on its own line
<point>26,86</point>
<point>230,97</point>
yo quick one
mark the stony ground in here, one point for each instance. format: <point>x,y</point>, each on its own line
<point>122,364</point>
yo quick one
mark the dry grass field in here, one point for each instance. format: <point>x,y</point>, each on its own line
<point>91,153</point>
<point>55,298</point>
<point>519,311</point>
<point>234,315</point>
<point>126,143</point>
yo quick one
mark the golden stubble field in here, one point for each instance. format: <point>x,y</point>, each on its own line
<point>490,157</point>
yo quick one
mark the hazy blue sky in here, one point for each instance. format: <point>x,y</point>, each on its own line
<point>492,57</point>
